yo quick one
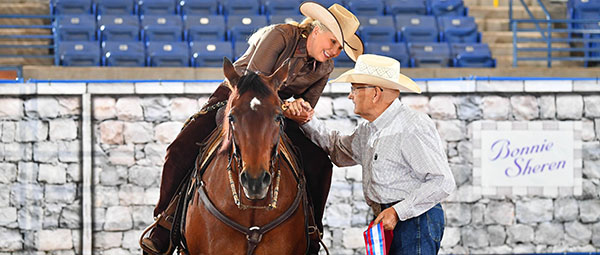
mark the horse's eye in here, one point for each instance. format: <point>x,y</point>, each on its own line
<point>231,119</point>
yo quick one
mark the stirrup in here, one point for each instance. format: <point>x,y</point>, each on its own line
<point>147,244</point>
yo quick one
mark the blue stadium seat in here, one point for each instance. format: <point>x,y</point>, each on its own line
<point>328,3</point>
<point>210,54</point>
<point>393,50</point>
<point>76,27</point>
<point>160,7</point>
<point>406,7</point>
<point>72,6</point>
<point>240,27</point>
<point>282,7</point>
<point>429,54</point>
<point>366,7</point>
<point>583,9</point>
<point>284,19</point>
<point>123,54</point>
<point>168,54</point>
<point>472,55</point>
<point>377,28</point>
<point>162,28</point>
<point>343,60</point>
<point>416,28</point>
<point>239,48</point>
<point>241,7</point>
<point>458,29</point>
<point>118,28</point>
<point>79,53</point>
<point>199,7</point>
<point>116,7</point>
<point>448,7</point>
<point>204,28</point>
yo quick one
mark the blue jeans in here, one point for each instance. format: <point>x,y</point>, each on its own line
<point>419,235</point>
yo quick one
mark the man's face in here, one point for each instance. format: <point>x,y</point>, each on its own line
<point>362,97</point>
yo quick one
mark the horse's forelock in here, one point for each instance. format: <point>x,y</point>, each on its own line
<point>252,82</point>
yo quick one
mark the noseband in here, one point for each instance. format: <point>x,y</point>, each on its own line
<point>235,161</point>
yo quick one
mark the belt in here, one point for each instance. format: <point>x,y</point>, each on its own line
<point>377,207</point>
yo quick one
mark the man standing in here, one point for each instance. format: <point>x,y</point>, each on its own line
<point>405,169</point>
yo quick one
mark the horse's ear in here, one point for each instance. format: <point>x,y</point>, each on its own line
<point>280,75</point>
<point>229,72</point>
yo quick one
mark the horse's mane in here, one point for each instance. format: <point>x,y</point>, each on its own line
<point>252,82</point>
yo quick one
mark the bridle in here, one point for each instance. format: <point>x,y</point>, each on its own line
<point>235,161</point>
<point>254,234</point>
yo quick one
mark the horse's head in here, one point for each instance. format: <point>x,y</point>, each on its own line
<point>254,121</point>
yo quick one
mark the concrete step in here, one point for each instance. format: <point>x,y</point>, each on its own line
<point>505,36</point>
<point>26,61</point>
<point>30,8</point>
<point>25,21</point>
<point>25,31</point>
<point>493,24</point>
<point>506,49</point>
<point>506,61</point>
<point>24,51</point>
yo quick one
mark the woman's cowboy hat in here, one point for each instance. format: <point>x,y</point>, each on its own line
<point>380,71</point>
<point>341,22</point>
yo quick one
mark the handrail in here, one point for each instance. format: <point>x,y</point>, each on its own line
<point>575,37</point>
<point>28,36</point>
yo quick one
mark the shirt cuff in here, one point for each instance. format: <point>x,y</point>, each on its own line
<point>403,211</point>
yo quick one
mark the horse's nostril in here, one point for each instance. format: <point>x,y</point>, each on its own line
<point>266,180</point>
<point>244,177</point>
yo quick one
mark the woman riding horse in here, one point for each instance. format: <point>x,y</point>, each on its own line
<point>308,47</point>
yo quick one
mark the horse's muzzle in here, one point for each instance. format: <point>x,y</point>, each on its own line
<point>256,187</point>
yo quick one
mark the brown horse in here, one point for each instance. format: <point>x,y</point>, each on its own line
<point>249,193</point>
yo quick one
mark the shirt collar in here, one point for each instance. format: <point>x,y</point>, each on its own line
<point>386,118</point>
<point>301,47</point>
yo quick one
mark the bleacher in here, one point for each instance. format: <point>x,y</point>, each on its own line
<point>199,33</point>
<point>463,33</point>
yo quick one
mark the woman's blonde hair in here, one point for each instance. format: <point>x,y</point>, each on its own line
<point>307,24</point>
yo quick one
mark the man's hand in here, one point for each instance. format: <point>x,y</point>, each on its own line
<point>298,110</point>
<point>388,217</point>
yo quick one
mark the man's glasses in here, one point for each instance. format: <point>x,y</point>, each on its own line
<point>354,89</point>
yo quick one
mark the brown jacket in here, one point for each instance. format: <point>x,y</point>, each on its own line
<point>307,77</point>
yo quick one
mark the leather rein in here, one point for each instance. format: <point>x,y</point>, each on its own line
<point>253,234</point>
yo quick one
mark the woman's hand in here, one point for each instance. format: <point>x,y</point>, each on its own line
<point>298,110</point>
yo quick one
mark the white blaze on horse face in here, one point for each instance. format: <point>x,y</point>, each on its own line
<point>253,103</point>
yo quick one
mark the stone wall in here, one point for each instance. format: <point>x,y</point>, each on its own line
<point>132,124</point>
<point>40,175</point>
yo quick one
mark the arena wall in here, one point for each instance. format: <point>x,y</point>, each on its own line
<point>81,162</point>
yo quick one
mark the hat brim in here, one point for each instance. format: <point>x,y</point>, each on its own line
<point>404,84</point>
<point>353,45</point>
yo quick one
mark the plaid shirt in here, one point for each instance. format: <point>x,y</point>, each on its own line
<point>401,154</point>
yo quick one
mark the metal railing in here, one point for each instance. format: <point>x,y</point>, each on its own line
<point>23,38</point>
<point>582,44</point>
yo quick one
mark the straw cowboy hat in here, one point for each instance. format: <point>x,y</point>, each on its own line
<point>341,22</point>
<point>379,71</point>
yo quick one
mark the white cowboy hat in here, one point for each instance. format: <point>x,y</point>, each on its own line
<point>379,71</point>
<point>341,22</point>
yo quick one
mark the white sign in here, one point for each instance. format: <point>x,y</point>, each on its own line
<point>531,158</point>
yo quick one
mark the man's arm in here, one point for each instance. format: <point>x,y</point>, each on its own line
<point>338,146</point>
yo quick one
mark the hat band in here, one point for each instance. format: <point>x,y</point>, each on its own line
<point>384,72</point>
<point>347,44</point>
